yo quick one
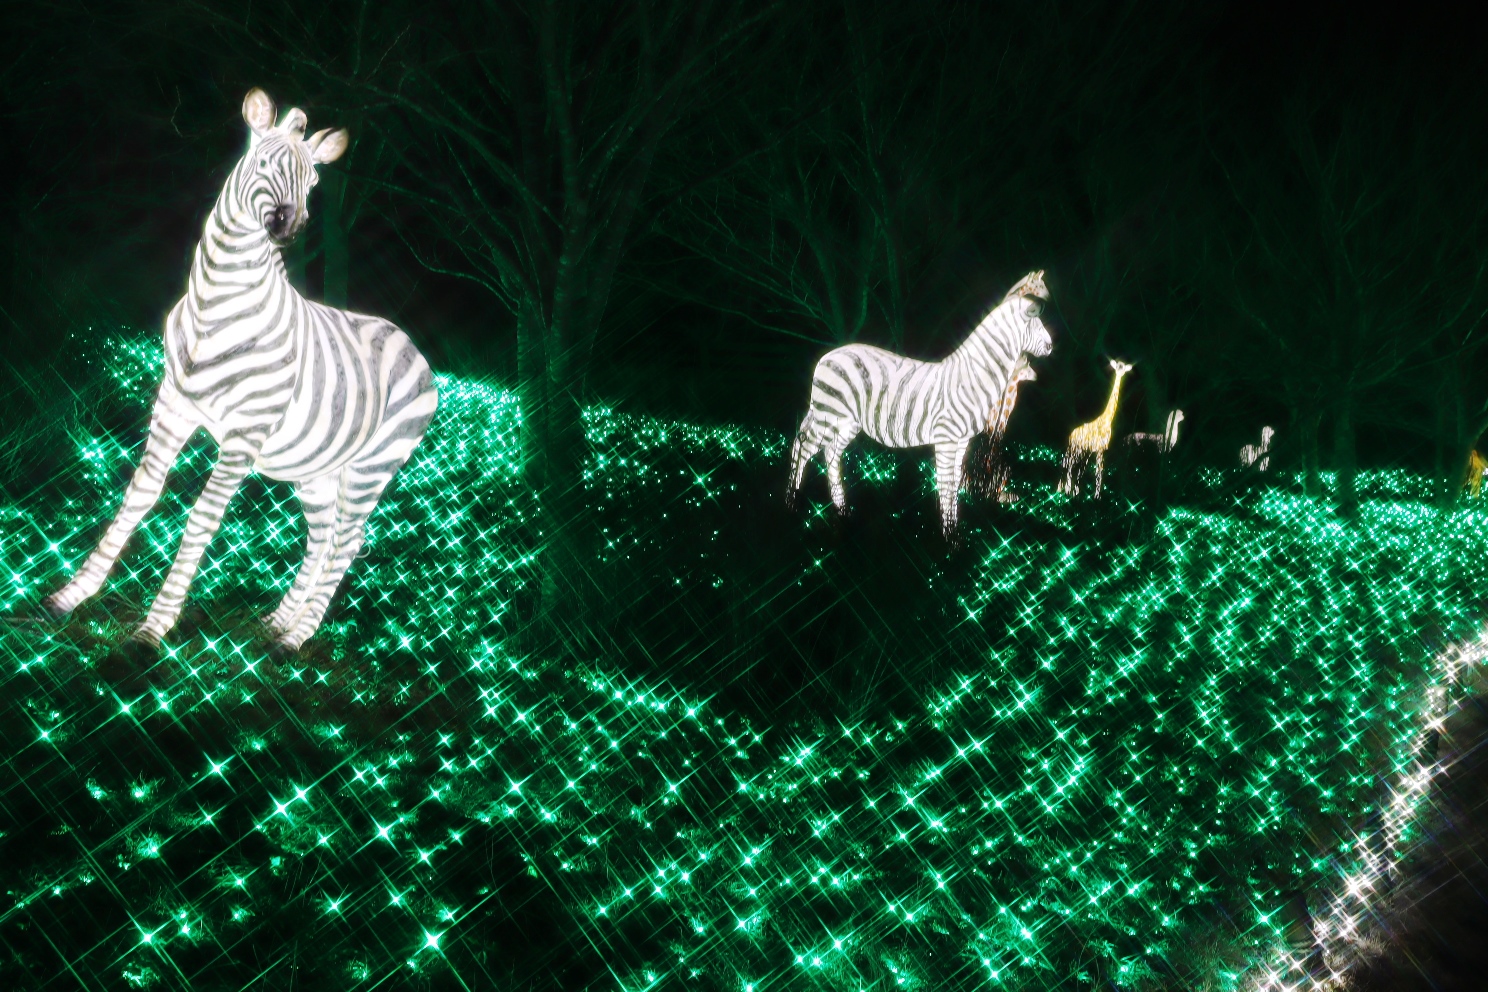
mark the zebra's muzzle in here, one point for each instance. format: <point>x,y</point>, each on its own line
<point>284,223</point>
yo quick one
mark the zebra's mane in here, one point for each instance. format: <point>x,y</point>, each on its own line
<point>999,325</point>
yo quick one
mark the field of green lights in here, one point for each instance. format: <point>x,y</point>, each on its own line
<point>1095,744</point>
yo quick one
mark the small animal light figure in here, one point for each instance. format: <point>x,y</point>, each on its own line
<point>1164,442</point>
<point>995,466</point>
<point>1258,455</point>
<point>1088,442</point>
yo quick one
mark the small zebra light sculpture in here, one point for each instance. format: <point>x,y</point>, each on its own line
<point>1088,442</point>
<point>334,402</point>
<point>995,468</point>
<point>1258,455</point>
<point>1164,442</point>
<point>904,403</point>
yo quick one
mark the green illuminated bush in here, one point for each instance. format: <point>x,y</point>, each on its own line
<point>799,755</point>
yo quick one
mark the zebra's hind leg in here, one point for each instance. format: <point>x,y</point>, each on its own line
<point>949,457</point>
<point>169,431</point>
<point>357,493</point>
<point>318,498</point>
<point>833,457</point>
<point>235,458</point>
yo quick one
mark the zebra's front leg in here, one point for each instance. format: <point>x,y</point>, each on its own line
<point>318,503</point>
<point>169,432</point>
<point>234,460</point>
<point>949,457</point>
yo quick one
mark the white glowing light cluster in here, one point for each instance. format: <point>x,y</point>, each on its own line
<point>1095,747</point>
<point>1380,851</point>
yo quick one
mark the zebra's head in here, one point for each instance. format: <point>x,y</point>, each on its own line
<point>275,177</point>
<point>1036,339</point>
<point>1031,294</point>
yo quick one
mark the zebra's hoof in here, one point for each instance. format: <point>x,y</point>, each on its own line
<point>281,650</point>
<point>133,656</point>
<point>54,609</point>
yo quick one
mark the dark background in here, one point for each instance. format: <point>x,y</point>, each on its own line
<point>1276,213</point>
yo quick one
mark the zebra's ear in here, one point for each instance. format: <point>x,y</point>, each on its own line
<point>258,111</point>
<point>328,145</point>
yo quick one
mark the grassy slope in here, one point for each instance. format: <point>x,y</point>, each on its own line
<point>1095,742</point>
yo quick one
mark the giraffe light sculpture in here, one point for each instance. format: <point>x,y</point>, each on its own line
<point>994,473</point>
<point>1088,442</point>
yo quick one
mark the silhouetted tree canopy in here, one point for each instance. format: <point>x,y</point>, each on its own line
<point>679,206</point>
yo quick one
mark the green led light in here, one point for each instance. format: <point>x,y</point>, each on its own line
<point>1113,741</point>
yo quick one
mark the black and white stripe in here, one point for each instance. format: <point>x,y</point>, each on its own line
<point>1164,442</point>
<point>1258,455</point>
<point>334,402</point>
<point>904,403</point>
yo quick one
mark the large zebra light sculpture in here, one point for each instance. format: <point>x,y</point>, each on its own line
<point>904,403</point>
<point>334,402</point>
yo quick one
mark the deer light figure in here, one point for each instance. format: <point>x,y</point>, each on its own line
<point>1258,455</point>
<point>1164,442</point>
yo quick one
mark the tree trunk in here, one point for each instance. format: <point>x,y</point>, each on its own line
<point>1152,390</point>
<point>1308,428</point>
<point>1455,474</point>
<point>1443,440</point>
<point>553,451</point>
<point>1456,438</point>
<point>334,241</point>
<point>532,392</point>
<point>1345,458</point>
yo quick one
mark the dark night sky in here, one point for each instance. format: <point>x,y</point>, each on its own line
<point>1277,213</point>
<point>123,122</point>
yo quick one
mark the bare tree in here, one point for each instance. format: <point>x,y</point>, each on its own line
<point>522,139</point>
<point>843,180</point>
<point>1352,260</point>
